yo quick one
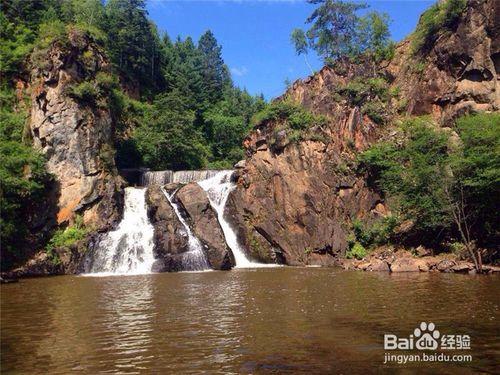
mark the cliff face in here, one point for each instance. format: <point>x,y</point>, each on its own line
<point>295,203</point>
<point>459,73</point>
<point>76,138</point>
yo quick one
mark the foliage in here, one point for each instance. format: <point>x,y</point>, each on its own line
<point>297,122</point>
<point>440,16</point>
<point>377,233</point>
<point>337,31</point>
<point>477,168</point>
<point>446,188</point>
<point>66,237</point>
<point>290,114</point>
<point>23,178</point>
<point>370,94</point>
<point>357,251</point>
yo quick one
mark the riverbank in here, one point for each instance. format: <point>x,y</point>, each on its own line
<point>387,259</point>
<point>383,259</point>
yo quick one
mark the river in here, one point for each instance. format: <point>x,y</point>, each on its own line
<point>280,320</point>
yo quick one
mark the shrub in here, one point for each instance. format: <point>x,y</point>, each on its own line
<point>357,251</point>
<point>377,233</point>
<point>66,237</point>
<point>49,33</point>
<point>290,113</point>
<point>85,92</point>
<point>376,111</point>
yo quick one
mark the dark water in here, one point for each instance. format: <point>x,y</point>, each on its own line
<point>286,320</point>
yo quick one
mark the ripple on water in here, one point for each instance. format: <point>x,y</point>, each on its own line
<point>292,320</point>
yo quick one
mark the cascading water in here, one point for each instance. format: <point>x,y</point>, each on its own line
<point>129,248</point>
<point>194,259</point>
<point>218,188</point>
<point>165,177</point>
<point>157,178</point>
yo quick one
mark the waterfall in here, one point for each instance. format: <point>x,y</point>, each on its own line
<point>189,176</point>
<point>194,259</point>
<point>129,248</point>
<point>184,177</point>
<point>157,178</point>
<point>218,188</point>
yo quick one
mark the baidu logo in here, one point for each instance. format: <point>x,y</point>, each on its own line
<point>426,337</point>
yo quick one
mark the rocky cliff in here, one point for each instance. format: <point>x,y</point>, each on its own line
<point>296,201</point>
<point>458,72</point>
<point>75,137</point>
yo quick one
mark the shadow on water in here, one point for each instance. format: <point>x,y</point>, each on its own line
<point>284,320</point>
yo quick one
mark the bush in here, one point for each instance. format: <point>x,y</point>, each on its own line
<point>357,251</point>
<point>439,16</point>
<point>49,33</point>
<point>291,114</point>
<point>377,233</point>
<point>375,111</point>
<point>85,92</point>
<point>66,237</point>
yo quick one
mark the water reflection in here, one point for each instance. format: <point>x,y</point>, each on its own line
<point>287,320</point>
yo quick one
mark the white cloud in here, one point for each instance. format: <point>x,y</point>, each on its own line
<point>239,71</point>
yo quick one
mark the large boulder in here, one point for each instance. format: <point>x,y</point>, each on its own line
<point>169,235</point>
<point>205,225</point>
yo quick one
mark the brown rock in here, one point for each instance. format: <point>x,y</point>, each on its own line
<point>205,225</point>
<point>169,235</point>
<point>405,264</point>
<point>378,265</point>
<point>445,265</point>
<point>463,267</point>
<point>76,137</point>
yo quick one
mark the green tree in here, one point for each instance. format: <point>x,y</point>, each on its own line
<point>132,44</point>
<point>168,139</point>
<point>337,31</point>
<point>215,76</point>
<point>446,187</point>
<point>299,41</point>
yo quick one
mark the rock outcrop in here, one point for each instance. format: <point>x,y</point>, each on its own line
<point>296,200</point>
<point>75,137</point>
<point>170,238</point>
<point>458,73</point>
<point>402,261</point>
<point>206,227</point>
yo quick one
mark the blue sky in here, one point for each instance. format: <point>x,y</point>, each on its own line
<point>255,35</point>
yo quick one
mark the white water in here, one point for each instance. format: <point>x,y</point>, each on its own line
<point>166,177</point>
<point>127,250</point>
<point>218,188</point>
<point>194,259</point>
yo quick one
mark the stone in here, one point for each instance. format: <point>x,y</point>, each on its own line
<point>378,266</point>
<point>462,267</point>
<point>445,265</point>
<point>169,236</point>
<point>405,264</point>
<point>76,138</point>
<point>205,225</point>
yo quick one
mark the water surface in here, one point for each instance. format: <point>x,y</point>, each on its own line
<point>281,320</point>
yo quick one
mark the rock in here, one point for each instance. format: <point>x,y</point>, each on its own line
<point>169,235</point>
<point>76,138</point>
<point>405,264</point>
<point>378,265</point>
<point>422,251</point>
<point>446,265</point>
<point>240,165</point>
<point>205,225</point>
<point>461,67</point>
<point>462,267</point>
